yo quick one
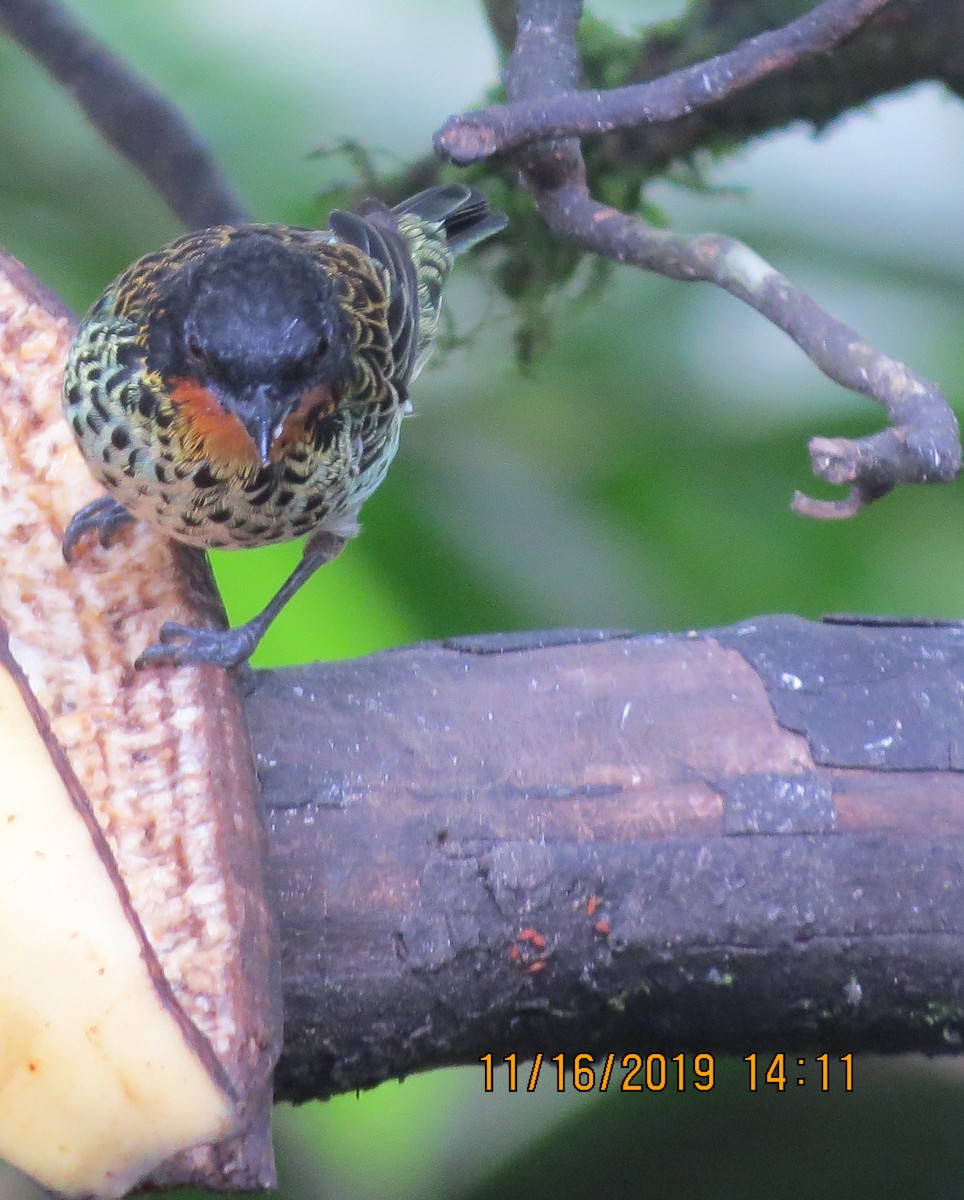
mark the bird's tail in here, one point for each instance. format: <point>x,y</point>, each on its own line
<point>461,211</point>
<point>437,225</point>
<point>416,243</point>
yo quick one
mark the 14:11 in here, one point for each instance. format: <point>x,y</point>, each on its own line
<point>777,1071</point>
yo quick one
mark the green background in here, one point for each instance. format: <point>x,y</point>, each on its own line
<point>638,476</point>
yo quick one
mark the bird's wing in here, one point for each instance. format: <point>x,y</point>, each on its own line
<point>376,234</point>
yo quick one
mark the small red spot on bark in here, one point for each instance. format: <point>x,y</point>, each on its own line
<point>533,937</point>
<point>529,949</point>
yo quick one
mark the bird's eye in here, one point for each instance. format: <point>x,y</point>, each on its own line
<point>324,342</point>
<point>194,348</point>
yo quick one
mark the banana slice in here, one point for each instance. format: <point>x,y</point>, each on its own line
<point>164,765</point>
<point>101,1076</point>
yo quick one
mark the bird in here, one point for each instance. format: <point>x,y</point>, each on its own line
<point>245,385</point>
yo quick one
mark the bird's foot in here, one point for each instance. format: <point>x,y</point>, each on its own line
<point>180,644</point>
<point>103,517</point>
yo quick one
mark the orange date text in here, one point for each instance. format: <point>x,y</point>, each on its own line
<point>587,1073</point>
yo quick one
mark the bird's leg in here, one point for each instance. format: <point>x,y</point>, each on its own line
<point>181,644</point>
<point>103,517</point>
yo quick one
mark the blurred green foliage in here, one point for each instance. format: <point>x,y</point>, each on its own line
<point>637,475</point>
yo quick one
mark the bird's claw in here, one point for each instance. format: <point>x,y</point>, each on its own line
<point>181,644</point>
<point>103,517</point>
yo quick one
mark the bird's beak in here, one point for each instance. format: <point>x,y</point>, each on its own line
<point>258,412</point>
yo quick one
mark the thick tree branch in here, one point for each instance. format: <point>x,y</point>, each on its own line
<point>923,444</point>
<point>747,838</point>
<point>130,114</point>
<point>503,128</point>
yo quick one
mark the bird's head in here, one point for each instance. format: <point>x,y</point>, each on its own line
<point>250,340</point>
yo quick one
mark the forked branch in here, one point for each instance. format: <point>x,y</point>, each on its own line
<point>542,79</point>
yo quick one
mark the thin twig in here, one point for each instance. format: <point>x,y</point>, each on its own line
<point>503,128</point>
<point>923,444</point>
<point>131,115</point>
<point>908,42</point>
